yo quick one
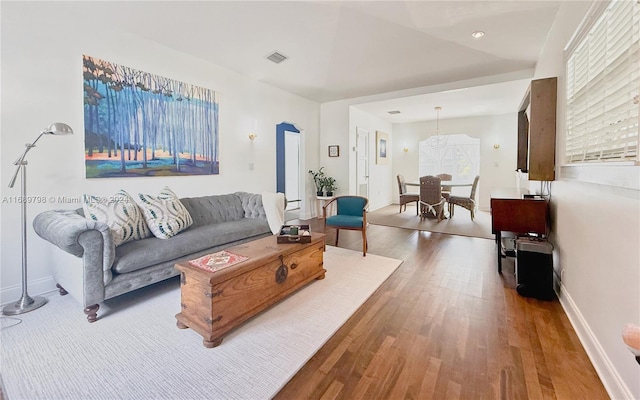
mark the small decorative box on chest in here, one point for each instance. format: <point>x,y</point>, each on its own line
<point>294,234</point>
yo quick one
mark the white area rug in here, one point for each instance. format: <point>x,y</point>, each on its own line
<point>135,351</point>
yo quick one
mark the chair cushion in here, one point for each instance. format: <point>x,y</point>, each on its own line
<point>410,197</point>
<point>348,221</point>
<point>139,254</point>
<point>351,206</point>
<point>465,202</point>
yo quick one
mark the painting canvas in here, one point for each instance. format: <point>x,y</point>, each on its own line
<point>139,124</point>
<point>382,148</point>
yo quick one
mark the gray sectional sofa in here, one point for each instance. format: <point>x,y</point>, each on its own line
<point>86,263</point>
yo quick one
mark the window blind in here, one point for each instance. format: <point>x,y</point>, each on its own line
<point>603,87</point>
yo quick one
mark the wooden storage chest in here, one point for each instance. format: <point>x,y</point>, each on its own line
<point>213,303</point>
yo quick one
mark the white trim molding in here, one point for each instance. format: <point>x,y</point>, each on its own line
<point>37,287</point>
<point>624,175</point>
<point>613,383</point>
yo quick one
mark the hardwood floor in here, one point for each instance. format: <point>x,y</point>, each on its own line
<point>446,325</point>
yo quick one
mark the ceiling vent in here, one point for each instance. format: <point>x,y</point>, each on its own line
<point>394,112</point>
<point>276,57</point>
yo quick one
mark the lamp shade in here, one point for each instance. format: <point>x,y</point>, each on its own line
<point>59,128</point>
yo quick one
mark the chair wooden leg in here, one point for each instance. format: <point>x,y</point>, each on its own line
<point>337,234</point>
<point>364,243</point>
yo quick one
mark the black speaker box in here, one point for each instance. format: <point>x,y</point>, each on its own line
<point>534,268</point>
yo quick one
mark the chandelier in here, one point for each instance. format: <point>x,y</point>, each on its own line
<point>436,141</point>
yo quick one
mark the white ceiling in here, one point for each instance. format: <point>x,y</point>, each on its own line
<point>477,101</point>
<point>346,49</point>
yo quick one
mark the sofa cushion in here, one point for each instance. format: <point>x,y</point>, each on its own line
<point>207,210</point>
<point>164,213</point>
<point>120,213</point>
<point>139,254</point>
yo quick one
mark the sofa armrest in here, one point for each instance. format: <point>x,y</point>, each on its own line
<point>252,205</point>
<point>66,229</point>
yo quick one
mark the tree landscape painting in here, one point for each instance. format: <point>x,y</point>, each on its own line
<point>140,124</point>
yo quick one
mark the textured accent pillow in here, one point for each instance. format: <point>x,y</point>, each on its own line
<point>164,213</point>
<point>120,213</point>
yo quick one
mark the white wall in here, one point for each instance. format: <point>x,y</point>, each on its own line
<point>497,166</point>
<point>336,127</point>
<point>42,48</point>
<point>381,178</point>
<point>338,123</point>
<point>596,232</point>
<point>334,133</point>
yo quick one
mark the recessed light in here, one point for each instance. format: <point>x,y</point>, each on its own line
<point>477,34</point>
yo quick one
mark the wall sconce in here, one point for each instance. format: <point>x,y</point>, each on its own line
<point>406,149</point>
<point>496,146</point>
<point>252,136</point>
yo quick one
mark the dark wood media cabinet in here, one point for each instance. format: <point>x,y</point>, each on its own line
<point>512,212</point>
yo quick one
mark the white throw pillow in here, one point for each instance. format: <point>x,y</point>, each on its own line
<point>120,213</point>
<point>164,213</point>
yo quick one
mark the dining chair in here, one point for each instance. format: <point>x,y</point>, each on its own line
<point>351,213</point>
<point>431,200</point>
<point>446,190</point>
<point>405,197</point>
<point>467,202</point>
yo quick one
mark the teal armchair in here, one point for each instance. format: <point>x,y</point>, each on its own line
<point>351,214</point>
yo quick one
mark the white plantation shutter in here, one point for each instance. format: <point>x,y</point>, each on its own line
<point>603,87</point>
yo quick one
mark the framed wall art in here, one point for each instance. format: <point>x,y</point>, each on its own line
<point>334,151</point>
<point>382,148</point>
<point>138,124</point>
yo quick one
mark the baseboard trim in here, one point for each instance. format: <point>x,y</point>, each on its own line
<point>613,383</point>
<point>38,287</point>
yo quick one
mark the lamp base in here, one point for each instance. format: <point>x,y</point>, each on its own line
<point>24,305</point>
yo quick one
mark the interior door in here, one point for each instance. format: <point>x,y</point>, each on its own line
<point>288,164</point>
<point>362,164</point>
<point>292,169</point>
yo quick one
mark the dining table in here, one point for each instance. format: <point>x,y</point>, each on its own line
<point>444,183</point>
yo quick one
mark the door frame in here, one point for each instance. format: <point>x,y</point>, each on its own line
<point>281,128</point>
<point>363,132</point>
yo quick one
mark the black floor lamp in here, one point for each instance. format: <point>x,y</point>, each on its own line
<point>26,302</point>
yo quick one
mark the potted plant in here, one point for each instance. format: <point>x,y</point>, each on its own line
<point>329,185</point>
<point>318,177</point>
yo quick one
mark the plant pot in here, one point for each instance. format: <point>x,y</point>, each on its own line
<point>329,194</point>
<point>319,194</point>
